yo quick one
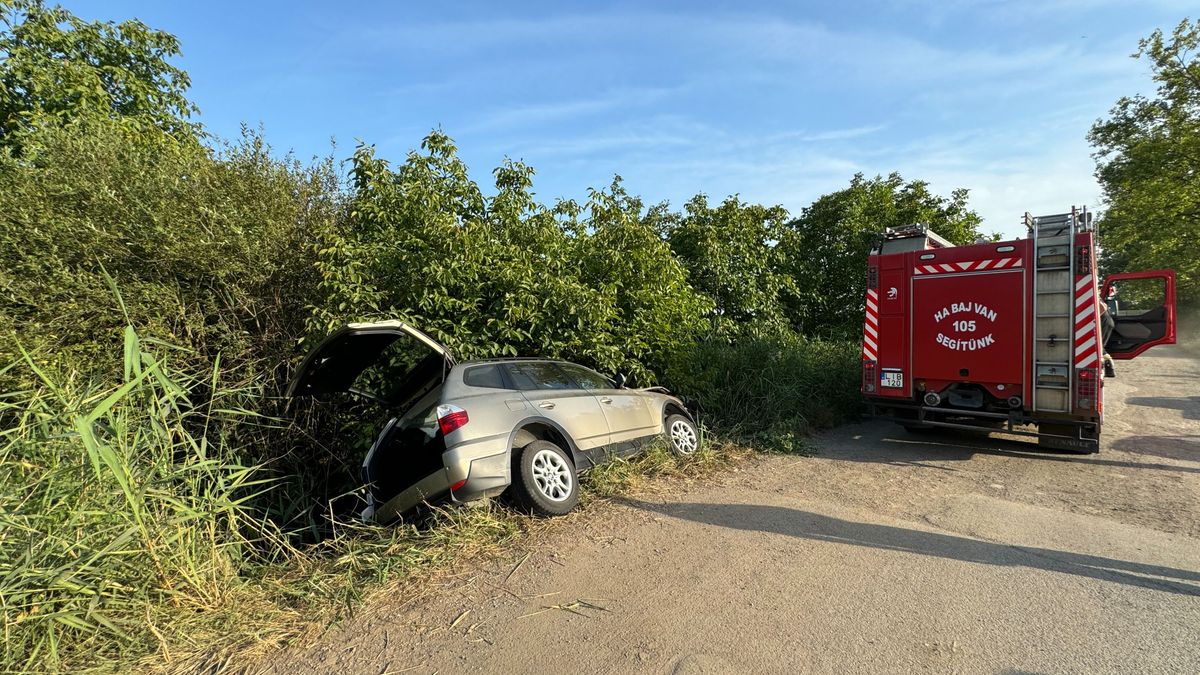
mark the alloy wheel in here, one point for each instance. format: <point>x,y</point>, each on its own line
<point>552,476</point>
<point>683,437</point>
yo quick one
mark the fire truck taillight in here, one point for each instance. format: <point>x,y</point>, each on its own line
<point>869,380</point>
<point>1086,388</point>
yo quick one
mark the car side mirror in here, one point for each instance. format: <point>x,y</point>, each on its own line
<point>619,379</point>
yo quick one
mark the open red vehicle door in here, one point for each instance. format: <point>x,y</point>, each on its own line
<point>1142,306</point>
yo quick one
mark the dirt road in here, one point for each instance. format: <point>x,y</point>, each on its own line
<point>888,552</point>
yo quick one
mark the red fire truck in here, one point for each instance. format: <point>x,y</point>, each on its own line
<point>1004,335</point>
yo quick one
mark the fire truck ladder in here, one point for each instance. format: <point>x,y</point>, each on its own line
<point>1053,304</point>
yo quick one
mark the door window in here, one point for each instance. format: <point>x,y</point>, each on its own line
<point>587,378</point>
<point>538,375</point>
<point>1136,297</point>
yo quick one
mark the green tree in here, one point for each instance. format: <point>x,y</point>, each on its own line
<point>1148,163</point>
<point>727,253</point>
<point>55,66</point>
<point>824,251</point>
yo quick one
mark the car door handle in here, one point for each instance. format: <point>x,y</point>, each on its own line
<point>547,405</point>
<point>605,399</point>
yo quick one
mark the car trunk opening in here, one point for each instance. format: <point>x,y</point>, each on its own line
<point>403,369</point>
<point>407,452</point>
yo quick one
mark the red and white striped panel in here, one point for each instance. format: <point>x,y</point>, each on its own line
<point>871,327</point>
<point>1087,334</point>
<point>968,266</point>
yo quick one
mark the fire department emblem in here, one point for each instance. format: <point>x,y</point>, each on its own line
<point>893,293</point>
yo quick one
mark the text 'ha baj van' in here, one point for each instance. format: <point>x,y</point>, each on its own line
<point>961,307</point>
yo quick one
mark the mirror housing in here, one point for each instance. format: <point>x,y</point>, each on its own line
<point>620,379</point>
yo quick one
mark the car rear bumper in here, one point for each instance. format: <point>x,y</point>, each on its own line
<point>485,476</point>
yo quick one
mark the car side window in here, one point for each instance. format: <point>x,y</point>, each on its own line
<point>587,379</point>
<point>538,375</point>
<point>484,376</point>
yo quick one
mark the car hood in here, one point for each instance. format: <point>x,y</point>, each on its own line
<point>335,363</point>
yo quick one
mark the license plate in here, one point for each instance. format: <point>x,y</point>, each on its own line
<point>893,379</point>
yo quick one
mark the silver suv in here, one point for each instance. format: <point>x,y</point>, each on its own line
<point>470,430</point>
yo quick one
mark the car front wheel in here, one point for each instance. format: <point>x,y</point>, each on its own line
<point>683,435</point>
<point>545,482</point>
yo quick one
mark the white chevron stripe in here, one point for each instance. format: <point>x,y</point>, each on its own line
<point>964,265</point>
<point>871,329</point>
<point>1087,344</point>
<point>1082,300</point>
<point>868,341</point>
<point>1083,282</point>
<point>1086,362</point>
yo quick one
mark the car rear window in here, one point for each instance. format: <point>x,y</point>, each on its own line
<point>538,375</point>
<point>484,376</point>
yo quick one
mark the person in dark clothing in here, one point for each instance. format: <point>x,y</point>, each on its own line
<point>1107,325</point>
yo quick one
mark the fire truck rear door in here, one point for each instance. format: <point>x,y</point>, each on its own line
<point>969,327</point>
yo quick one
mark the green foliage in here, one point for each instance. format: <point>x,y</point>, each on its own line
<point>728,251</point>
<point>114,508</point>
<point>207,247</point>
<point>504,275</point>
<point>776,385</point>
<point>1148,162</point>
<point>57,67</point>
<point>824,252</point>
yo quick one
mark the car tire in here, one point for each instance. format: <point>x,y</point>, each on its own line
<point>682,435</point>
<point>545,482</point>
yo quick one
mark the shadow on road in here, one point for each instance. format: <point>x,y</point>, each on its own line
<point>1172,447</point>
<point>807,525</point>
<point>1188,405</point>
<point>902,447</point>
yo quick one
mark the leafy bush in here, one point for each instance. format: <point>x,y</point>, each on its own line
<point>776,385</point>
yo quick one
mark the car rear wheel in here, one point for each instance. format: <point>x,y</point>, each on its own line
<point>546,483</point>
<point>683,435</point>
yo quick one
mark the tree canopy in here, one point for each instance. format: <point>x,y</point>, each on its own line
<point>1148,163</point>
<point>823,253</point>
<point>56,66</point>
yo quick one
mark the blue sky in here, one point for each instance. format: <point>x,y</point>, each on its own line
<point>777,102</point>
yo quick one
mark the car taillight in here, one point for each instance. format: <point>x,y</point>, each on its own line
<point>1086,388</point>
<point>451,417</point>
<point>868,376</point>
